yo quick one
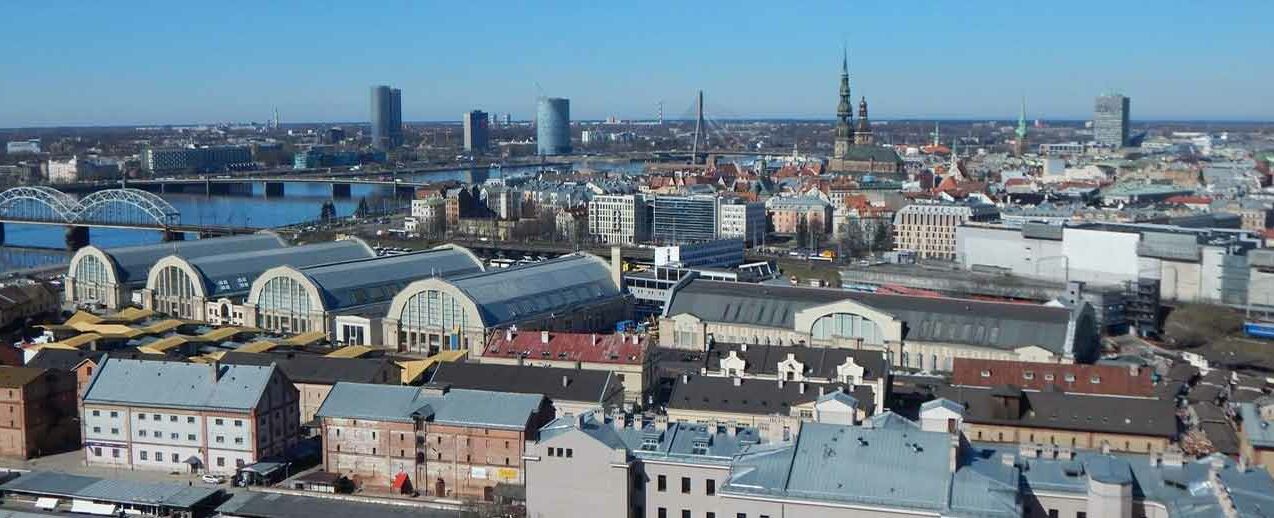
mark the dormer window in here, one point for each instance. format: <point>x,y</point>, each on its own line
<point>1048,376</point>
<point>1095,379</point>
<point>1028,375</point>
<point>1070,378</point>
<point>986,373</point>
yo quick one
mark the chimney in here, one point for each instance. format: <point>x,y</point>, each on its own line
<point>801,388</point>
<point>592,339</point>
<point>619,420</point>
<point>738,381</point>
<point>216,370</point>
<point>685,378</point>
<point>820,391</point>
<point>566,381</point>
<point>617,266</point>
<point>544,337</point>
<point>781,382</point>
<point>508,335</point>
<point>661,422</point>
<point>743,347</point>
<point>953,461</point>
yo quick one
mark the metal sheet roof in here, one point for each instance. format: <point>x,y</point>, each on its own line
<point>401,403</point>
<point>178,385</point>
<point>109,490</point>
<point>376,280</point>
<point>133,262</point>
<point>233,273</point>
<point>504,296</point>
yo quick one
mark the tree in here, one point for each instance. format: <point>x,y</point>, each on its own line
<point>328,211</point>
<point>884,237</point>
<point>362,211</point>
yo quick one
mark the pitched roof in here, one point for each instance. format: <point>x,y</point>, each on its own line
<point>576,385</point>
<point>178,385</point>
<point>820,362</point>
<point>478,408</point>
<point>61,359</point>
<point>584,347</point>
<point>277,505</point>
<point>312,368</point>
<point>232,273</point>
<point>754,396</point>
<point>1073,378</point>
<point>1061,411</point>
<point>49,483</point>
<point>511,294</point>
<point>375,280</point>
<point>133,262</point>
<point>18,377</point>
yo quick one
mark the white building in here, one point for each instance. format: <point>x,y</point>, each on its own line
<point>619,219</point>
<point>81,169</point>
<point>929,229</point>
<point>430,214</point>
<point>741,220</point>
<point>724,253</point>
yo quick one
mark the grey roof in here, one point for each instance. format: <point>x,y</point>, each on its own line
<point>277,505</point>
<point>756,396</point>
<point>1258,431</point>
<point>512,294</point>
<point>906,468</point>
<point>376,280</point>
<point>178,385</point>
<point>61,359</point>
<point>1062,411</point>
<point>232,273</point>
<point>558,384</point>
<point>313,368</point>
<point>402,404</point>
<point>676,441</point>
<point>930,319</point>
<point>133,263</point>
<point>48,483</point>
<point>820,362</point>
<point>869,153</point>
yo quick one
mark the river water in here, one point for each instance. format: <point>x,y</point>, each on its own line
<point>31,246</point>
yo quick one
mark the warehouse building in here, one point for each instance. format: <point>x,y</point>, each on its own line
<point>108,277</point>
<point>577,292</point>
<point>289,299</point>
<point>206,288</point>
<point>918,333</point>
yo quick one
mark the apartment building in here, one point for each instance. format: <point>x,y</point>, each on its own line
<point>430,215</point>
<point>799,214</point>
<point>433,440</point>
<point>40,407</point>
<point>738,219</point>
<point>929,229</point>
<point>629,356</point>
<point>619,219</point>
<point>189,417</point>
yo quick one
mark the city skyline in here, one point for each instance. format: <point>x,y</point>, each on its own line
<point>753,61</point>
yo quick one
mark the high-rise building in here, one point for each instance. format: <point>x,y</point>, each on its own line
<point>619,219</point>
<point>684,219</point>
<point>387,117</point>
<point>476,134</point>
<point>553,126</point>
<point>1110,120</point>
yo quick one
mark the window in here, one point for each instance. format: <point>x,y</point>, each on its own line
<point>190,437</point>
<point>1081,514</point>
<point>685,484</point>
<point>174,436</point>
<point>156,434</point>
<point>97,429</point>
<point>190,420</point>
<point>157,417</point>
<point>1070,378</point>
<point>685,513</point>
<point>220,421</point>
<point>140,417</point>
<point>221,462</point>
<point>551,452</point>
<point>220,439</point>
<point>985,374</point>
<point>141,433</point>
<point>96,413</point>
<point>663,513</point>
<point>570,453</point>
<point>159,456</point>
<point>710,515</point>
<point>740,515</point>
<point>661,484</point>
<point>172,418</point>
<point>97,452</point>
<point>1095,379</point>
<point>238,440</point>
<point>115,452</point>
<point>711,487</point>
<point>142,455</point>
<point>1028,375</point>
<point>1052,513</point>
<point>114,414</point>
<point>114,431</point>
<point>174,458</point>
<point>239,422</point>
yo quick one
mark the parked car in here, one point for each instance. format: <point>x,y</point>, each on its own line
<point>213,479</point>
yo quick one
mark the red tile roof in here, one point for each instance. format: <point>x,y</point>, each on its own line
<point>1106,380</point>
<point>583,347</point>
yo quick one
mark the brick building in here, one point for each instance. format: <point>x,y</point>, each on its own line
<point>433,440</point>
<point>37,412</point>
<point>1076,378</point>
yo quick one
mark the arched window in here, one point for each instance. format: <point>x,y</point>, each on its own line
<point>91,278</point>
<point>846,325</point>
<point>432,319</point>
<point>174,293</point>
<point>283,305</point>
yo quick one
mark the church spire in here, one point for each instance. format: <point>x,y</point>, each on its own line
<point>862,135</point>
<point>844,111</point>
<point>1020,145</point>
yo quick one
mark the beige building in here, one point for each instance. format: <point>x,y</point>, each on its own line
<point>929,229</point>
<point>619,219</point>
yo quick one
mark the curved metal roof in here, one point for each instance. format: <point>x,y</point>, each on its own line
<point>376,280</point>
<point>133,263</point>
<point>509,295</point>
<point>233,273</point>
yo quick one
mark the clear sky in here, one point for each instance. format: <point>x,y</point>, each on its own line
<point>66,62</point>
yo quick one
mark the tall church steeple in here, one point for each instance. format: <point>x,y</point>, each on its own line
<point>863,135</point>
<point>1020,145</point>
<point>844,112</point>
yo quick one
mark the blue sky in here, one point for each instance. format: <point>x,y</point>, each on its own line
<point>133,62</point>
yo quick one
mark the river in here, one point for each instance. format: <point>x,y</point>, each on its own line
<point>29,246</point>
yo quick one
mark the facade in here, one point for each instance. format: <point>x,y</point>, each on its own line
<point>85,169</point>
<point>41,405</point>
<point>619,219</point>
<point>287,299</point>
<point>929,230</point>
<point>207,159</point>
<point>776,409</point>
<point>577,292</point>
<point>553,126</point>
<point>741,220</point>
<point>799,214</point>
<point>20,301</point>
<point>476,133</point>
<point>206,288</point>
<point>571,391</point>
<point>852,368</point>
<point>629,356</point>
<point>917,333</point>
<point>1110,120</point>
<point>386,117</point>
<point>684,219</point>
<point>725,253</point>
<point>1073,378</point>
<point>188,417</point>
<point>109,277</point>
<point>430,215</point>
<point>441,442</point>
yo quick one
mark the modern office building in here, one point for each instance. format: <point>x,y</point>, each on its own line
<point>619,219</point>
<point>721,253</point>
<point>1110,120</point>
<point>553,126</point>
<point>207,159</point>
<point>476,131</point>
<point>684,219</point>
<point>740,219</point>
<point>387,117</point>
<point>187,417</point>
<point>929,229</point>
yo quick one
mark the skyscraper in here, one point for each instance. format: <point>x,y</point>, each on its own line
<point>1110,120</point>
<point>476,134</point>
<point>387,117</point>
<point>553,126</point>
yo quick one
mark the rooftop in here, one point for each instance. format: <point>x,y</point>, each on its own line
<point>48,483</point>
<point>164,384</point>
<point>582,347</point>
<point>311,368</point>
<point>133,262</point>
<point>477,408</point>
<point>558,384</point>
<point>755,396</point>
